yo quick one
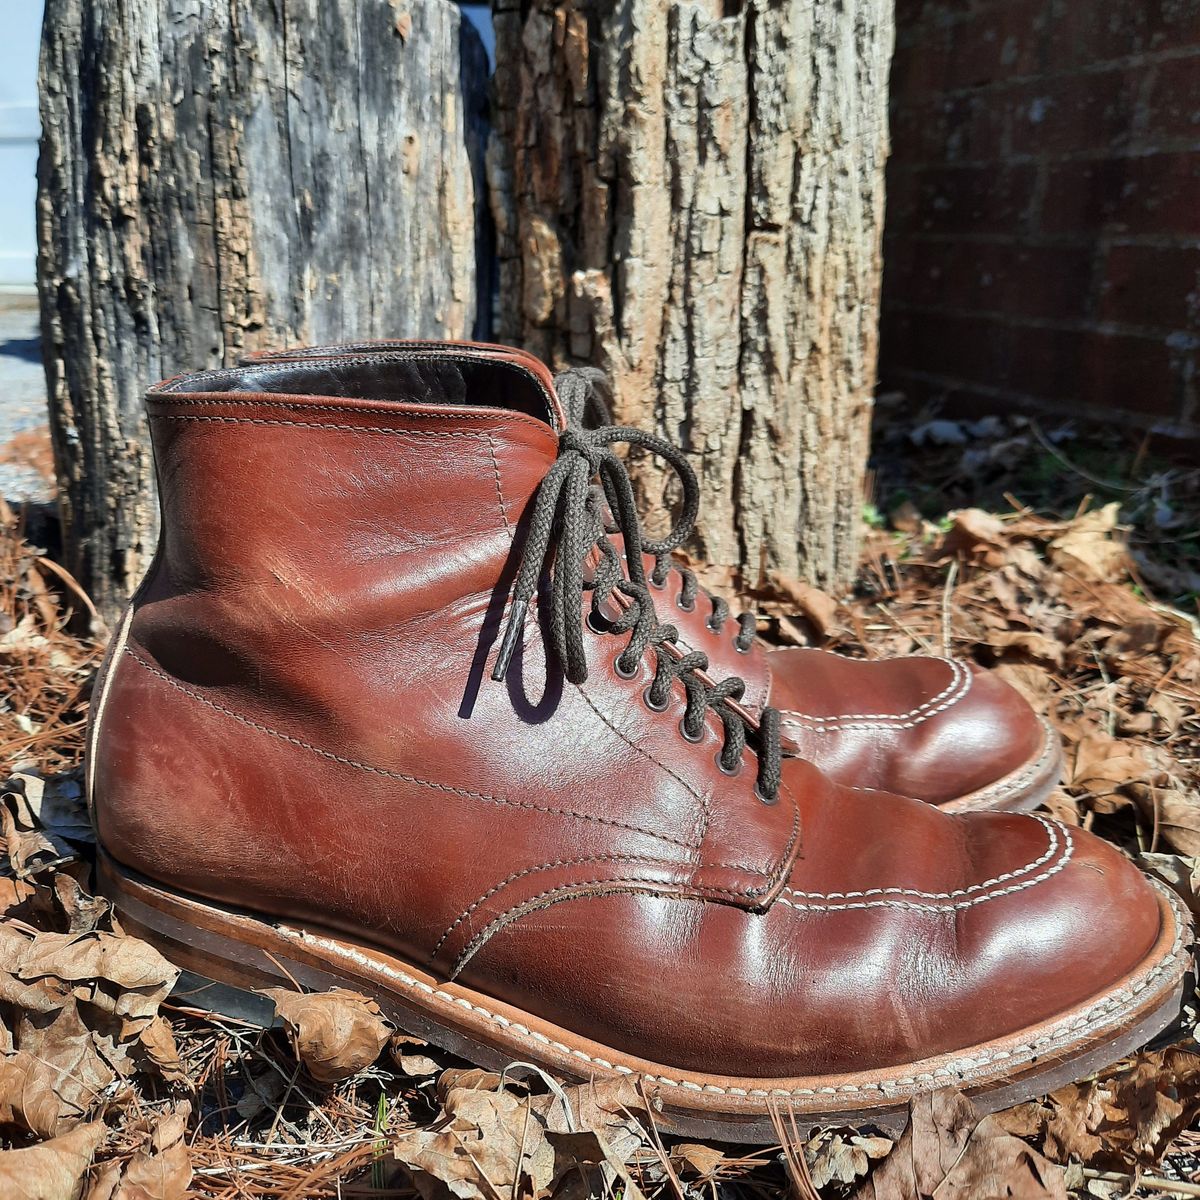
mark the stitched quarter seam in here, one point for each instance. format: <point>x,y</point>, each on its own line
<point>491,444</point>
<point>632,885</point>
<point>397,775</point>
<point>546,866</point>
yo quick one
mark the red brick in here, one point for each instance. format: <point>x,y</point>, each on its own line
<point>1068,113</point>
<point>948,51</point>
<point>973,199</point>
<point>1151,286</point>
<point>1108,372</point>
<point>1088,31</point>
<point>1004,42</point>
<point>1011,278</point>
<point>951,129</point>
<point>1175,100</point>
<point>1151,193</point>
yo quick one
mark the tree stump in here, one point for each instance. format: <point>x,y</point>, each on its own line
<point>690,195</point>
<point>215,178</point>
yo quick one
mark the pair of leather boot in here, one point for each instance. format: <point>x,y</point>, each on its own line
<point>393,709</point>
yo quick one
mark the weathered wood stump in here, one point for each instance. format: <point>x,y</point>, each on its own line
<point>214,178</point>
<point>690,195</point>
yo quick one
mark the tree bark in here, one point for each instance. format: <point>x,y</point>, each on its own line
<point>215,178</point>
<point>690,195</point>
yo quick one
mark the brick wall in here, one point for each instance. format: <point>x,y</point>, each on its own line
<point>1042,247</point>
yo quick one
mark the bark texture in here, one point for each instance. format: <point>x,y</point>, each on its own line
<point>215,178</point>
<point>690,195</point>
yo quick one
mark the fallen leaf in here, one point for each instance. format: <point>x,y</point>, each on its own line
<point>834,1158</point>
<point>490,1144</point>
<point>948,1153</point>
<point>1093,546</point>
<point>787,596</point>
<point>53,1170</point>
<point>976,535</point>
<point>336,1034</point>
<point>160,1170</point>
<point>701,1161</point>
<point>1125,1118</point>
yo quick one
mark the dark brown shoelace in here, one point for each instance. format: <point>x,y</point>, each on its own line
<point>584,392</point>
<point>567,525</point>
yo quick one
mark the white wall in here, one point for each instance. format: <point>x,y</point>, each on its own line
<point>18,138</point>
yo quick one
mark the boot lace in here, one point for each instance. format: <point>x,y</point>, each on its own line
<point>567,528</point>
<point>584,393</point>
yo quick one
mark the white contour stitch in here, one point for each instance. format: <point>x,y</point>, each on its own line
<point>1089,1017</point>
<point>573,891</point>
<point>1051,828</point>
<point>954,692</point>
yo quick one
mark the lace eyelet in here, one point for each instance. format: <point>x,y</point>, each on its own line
<point>648,700</point>
<point>740,649</point>
<point>714,628</point>
<point>765,800</point>
<point>620,670</point>
<point>687,737</point>
<point>656,585</point>
<point>596,623</point>
<point>733,774</point>
<point>685,605</point>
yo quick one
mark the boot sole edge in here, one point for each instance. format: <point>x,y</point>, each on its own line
<point>238,953</point>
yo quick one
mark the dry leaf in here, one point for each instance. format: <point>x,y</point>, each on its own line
<point>947,1153</point>
<point>81,1006</point>
<point>786,596</point>
<point>160,1170</point>
<point>976,535</point>
<point>1093,546</point>
<point>336,1034</point>
<point>53,1170</point>
<point>700,1161</point>
<point>490,1144</point>
<point>1125,1118</point>
<point>834,1158</point>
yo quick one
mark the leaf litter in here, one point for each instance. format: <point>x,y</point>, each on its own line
<point>113,1089</point>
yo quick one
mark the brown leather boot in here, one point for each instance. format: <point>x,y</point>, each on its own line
<point>303,768</point>
<point>938,729</point>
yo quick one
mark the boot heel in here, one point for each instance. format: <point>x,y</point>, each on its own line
<point>220,973</point>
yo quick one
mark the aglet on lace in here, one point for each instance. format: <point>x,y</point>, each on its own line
<point>512,634</point>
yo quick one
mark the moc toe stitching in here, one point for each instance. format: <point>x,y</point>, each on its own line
<point>953,693</point>
<point>1052,828</point>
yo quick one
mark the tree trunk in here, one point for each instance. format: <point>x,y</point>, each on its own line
<point>690,195</point>
<point>215,178</point>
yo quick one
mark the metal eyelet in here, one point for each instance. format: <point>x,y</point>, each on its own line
<point>620,670</point>
<point>769,802</point>
<point>593,622</point>
<point>714,628</point>
<point>687,737</point>
<point>658,587</point>
<point>648,700</point>
<point>724,770</point>
<point>742,649</point>
<point>685,605</point>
